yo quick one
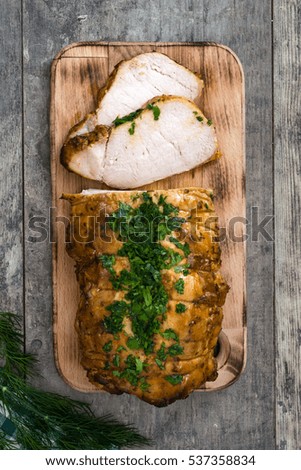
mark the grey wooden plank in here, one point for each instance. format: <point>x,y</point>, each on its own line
<point>242,416</point>
<point>11,226</point>
<point>252,406</point>
<point>287,104</point>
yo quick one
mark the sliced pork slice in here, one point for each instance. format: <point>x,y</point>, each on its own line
<point>85,154</point>
<point>135,81</point>
<point>170,136</point>
<point>139,79</point>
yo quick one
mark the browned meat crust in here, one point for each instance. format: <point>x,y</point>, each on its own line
<point>194,330</point>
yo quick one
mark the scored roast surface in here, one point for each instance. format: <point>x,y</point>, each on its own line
<point>151,294</point>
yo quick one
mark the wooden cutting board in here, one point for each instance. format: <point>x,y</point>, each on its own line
<point>77,73</point>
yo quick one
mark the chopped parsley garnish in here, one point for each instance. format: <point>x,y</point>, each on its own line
<point>199,118</point>
<point>107,366</point>
<point>175,258</point>
<point>155,109</point>
<point>174,379</point>
<point>175,350</point>
<point>141,229</point>
<point>161,353</point>
<point>134,366</point>
<point>128,118</point>
<point>147,296</point>
<point>139,365</point>
<point>211,196</point>
<point>114,323</point>
<point>159,363</point>
<point>132,128</point>
<point>184,247</point>
<point>133,343</point>
<point>182,269</point>
<point>116,360</point>
<point>209,122</point>
<point>179,286</point>
<point>144,386</point>
<point>108,346</point>
<point>108,262</point>
<point>206,205</point>
<point>181,308</point>
<point>170,334</point>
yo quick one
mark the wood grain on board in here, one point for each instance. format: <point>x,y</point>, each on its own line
<point>77,74</point>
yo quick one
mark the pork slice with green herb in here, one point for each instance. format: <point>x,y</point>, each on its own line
<point>167,139</point>
<point>135,81</point>
<point>160,140</point>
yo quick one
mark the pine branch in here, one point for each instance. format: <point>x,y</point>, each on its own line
<point>45,420</point>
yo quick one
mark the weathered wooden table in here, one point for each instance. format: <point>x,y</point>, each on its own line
<point>262,409</point>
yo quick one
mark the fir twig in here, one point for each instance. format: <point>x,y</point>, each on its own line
<point>45,420</point>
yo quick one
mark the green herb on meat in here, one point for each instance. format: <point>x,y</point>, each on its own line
<point>132,128</point>
<point>179,286</point>
<point>141,229</point>
<point>108,262</point>
<point>170,334</point>
<point>175,350</point>
<point>144,385</point>
<point>182,268</point>
<point>199,118</point>
<point>116,360</point>
<point>161,353</point>
<point>128,118</point>
<point>114,323</point>
<point>174,379</point>
<point>209,122</point>
<point>181,308</point>
<point>135,197</point>
<point>139,365</point>
<point>117,219</point>
<point>134,367</point>
<point>159,363</point>
<point>133,343</point>
<point>184,247</point>
<point>155,109</point>
<point>108,346</point>
<point>147,296</point>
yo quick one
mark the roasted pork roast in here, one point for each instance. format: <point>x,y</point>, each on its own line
<point>151,293</point>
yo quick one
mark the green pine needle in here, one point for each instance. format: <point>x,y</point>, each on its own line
<point>6,443</point>
<point>45,420</point>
